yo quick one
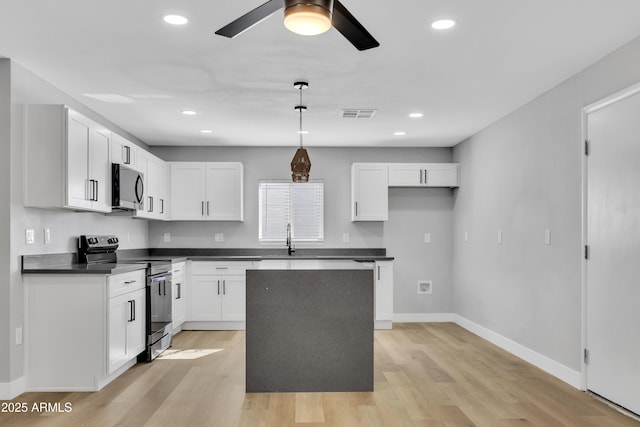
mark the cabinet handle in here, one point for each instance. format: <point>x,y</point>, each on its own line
<point>420,176</point>
<point>160,288</point>
<point>128,282</point>
<point>202,207</point>
<point>356,208</point>
<point>96,192</point>
<point>208,208</point>
<point>179,289</point>
<point>425,176</point>
<point>127,155</point>
<point>222,268</point>
<point>378,272</point>
<point>161,206</point>
<point>218,287</point>
<point>150,204</point>
<point>224,287</point>
<point>132,311</point>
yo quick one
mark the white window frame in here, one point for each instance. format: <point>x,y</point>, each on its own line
<point>286,213</point>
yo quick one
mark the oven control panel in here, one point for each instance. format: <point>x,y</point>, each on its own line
<point>92,243</point>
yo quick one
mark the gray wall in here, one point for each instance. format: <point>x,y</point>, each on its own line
<point>522,175</point>
<point>65,225</point>
<point>412,212</point>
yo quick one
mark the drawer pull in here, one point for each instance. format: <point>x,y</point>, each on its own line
<point>128,282</point>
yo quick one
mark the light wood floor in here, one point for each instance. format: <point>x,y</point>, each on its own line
<point>429,374</point>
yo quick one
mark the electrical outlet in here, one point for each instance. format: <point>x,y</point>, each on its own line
<point>19,335</point>
<point>47,236</point>
<point>30,236</point>
<point>425,287</point>
<point>427,237</point>
<point>500,236</point>
<point>346,238</point>
<point>547,237</point>
<point>167,237</point>
<point>218,237</point>
<point>466,236</point>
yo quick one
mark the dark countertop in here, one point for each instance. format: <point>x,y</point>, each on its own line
<point>68,263</point>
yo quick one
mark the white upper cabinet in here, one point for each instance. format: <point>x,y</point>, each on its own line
<point>123,151</point>
<point>423,174</point>
<point>369,192</point>
<point>155,182</point>
<point>66,160</point>
<point>207,191</point>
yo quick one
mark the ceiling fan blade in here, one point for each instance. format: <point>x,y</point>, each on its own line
<point>250,19</point>
<point>348,26</point>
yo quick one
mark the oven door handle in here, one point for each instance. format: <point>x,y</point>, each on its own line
<point>163,278</point>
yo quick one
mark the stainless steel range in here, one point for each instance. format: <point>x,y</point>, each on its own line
<point>94,249</point>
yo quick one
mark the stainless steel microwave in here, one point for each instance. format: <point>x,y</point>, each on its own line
<point>127,188</point>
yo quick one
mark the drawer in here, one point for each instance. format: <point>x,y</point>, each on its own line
<point>118,284</point>
<point>220,267</point>
<point>178,269</point>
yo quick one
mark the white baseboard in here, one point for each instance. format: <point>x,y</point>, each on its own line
<point>423,317</point>
<point>550,366</point>
<point>13,389</point>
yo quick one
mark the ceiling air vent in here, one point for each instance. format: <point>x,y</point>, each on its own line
<point>357,113</point>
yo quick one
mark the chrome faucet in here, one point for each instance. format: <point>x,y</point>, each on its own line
<point>290,250</point>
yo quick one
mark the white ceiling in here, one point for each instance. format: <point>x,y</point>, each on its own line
<point>502,54</point>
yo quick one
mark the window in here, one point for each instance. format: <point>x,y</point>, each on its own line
<point>298,204</point>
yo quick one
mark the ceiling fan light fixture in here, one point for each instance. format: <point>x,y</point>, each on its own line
<point>308,18</point>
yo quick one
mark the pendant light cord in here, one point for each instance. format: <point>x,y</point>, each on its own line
<point>300,110</point>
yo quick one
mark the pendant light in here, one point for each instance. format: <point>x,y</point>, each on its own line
<point>300,164</point>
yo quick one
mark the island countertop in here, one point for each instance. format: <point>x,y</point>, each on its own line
<point>310,264</point>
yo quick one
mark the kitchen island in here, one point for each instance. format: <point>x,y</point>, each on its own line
<point>309,326</point>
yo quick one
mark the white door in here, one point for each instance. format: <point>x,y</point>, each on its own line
<point>613,267</point>
<point>224,192</point>
<point>187,191</point>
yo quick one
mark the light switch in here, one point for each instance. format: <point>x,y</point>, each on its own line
<point>427,237</point>
<point>500,236</point>
<point>30,236</point>
<point>547,237</point>
<point>47,236</point>
<point>346,238</point>
<point>466,236</point>
<point>166,237</point>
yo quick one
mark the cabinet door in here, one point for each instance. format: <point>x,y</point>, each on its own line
<point>187,191</point>
<point>384,290</point>
<point>179,307</point>
<point>441,174</point>
<point>118,314</point>
<point>205,298</point>
<point>136,328</point>
<point>79,188</point>
<point>100,170</point>
<point>406,174</point>
<point>234,298</point>
<point>369,192</point>
<point>122,151</point>
<point>224,192</point>
<point>163,191</point>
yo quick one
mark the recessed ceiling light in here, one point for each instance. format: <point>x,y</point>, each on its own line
<point>416,115</point>
<point>443,24</point>
<point>400,133</point>
<point>175,19</point>
<point>188,112</point>
<point>206,131</point>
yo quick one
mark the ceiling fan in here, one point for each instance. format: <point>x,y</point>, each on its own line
<point>306,17</point>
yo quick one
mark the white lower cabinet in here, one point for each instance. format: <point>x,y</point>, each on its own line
<point>82,330</point>
<point>217,295</point>
<point>384,294</point>
<point>179,303</point>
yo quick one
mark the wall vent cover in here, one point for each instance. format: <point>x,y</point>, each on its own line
<point>357,113</point>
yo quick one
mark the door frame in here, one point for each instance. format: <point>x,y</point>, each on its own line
<point>586,110</point>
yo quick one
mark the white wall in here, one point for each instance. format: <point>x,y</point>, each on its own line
<point>18,87</point>
<point>522,175</point>
<point>412,212</point>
